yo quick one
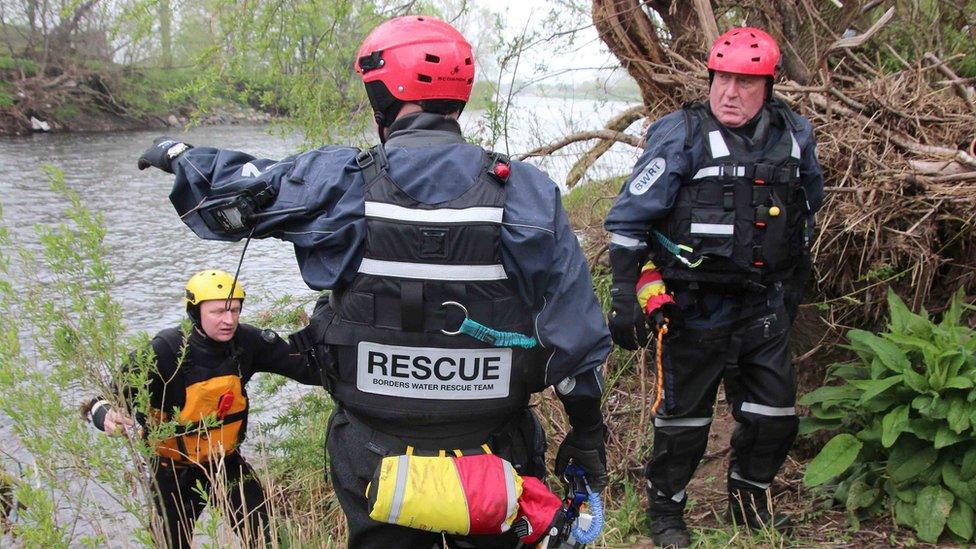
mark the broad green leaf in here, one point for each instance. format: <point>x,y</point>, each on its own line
<point>953,314</point>
<point>835,413</point>
<point>904,320</point>
<point>959,382</point>
<point>925,429</point>
<point>848,371</point>
<point>916,381</point>
<point>931,512</point>
<point>946,437</point>
<point>964,490</point>
<point>894,424</point>
<point>960,520</point>
<point>870,433</point>
<point>938,408</point>
<point>889,353</point>
<point>860,495</point>
<point>909,458</point>
<point>874,387</point>
<point>830,394</point>
<point>835,458</point>
<point>953,361</point>
<point>900,313</point>
<point>958,415</point>
<point>909,342</point>
<point>905,513</point>
<point>968,469</point>
<point>810,425</point>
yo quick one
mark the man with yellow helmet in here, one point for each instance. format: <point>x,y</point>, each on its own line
<point>199,383</point>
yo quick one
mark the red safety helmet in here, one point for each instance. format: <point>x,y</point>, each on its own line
<point>745,50</point>
<point>417,59</point>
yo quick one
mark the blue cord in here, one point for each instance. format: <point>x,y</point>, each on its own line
<point>591,534</point>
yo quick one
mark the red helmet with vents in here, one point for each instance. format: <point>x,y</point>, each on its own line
<point>416,59</point>
<point>745,50</point>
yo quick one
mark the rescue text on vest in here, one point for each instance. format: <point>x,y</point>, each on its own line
<point>432,373</point>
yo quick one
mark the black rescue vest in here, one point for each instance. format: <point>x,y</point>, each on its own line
<point>394,364</point>
<point>741,213</point>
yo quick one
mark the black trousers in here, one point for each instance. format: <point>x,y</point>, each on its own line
<point>754,359</point>
<point>355,451</point>
<point>180,498</point>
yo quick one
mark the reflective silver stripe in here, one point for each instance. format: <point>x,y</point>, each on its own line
<point>715,171</point>
<point>625,241</point>
<point>682,422</point>
<point>401,487</point>
<point>717,144</point>
<point>509,490</point>
<point>677,498</point>
<point>795,150</point>
<point>712,228</point>
<point>429,271</point>
<point>441,215</point>
<point>736,476</point>
<point>764,410</point>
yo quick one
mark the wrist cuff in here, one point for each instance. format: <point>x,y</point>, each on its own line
<point>98,412</point>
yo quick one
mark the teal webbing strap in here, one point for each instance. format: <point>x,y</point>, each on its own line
<point>676,250</point>
<point>495,337</point>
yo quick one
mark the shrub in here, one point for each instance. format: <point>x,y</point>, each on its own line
<point>907,411</point>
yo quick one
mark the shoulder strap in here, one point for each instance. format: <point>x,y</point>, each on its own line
<point>175,341</point>
<point>693,110</point>
<point>786,113</point>
<point>373,162</point>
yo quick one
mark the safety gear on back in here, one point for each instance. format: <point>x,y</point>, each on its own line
<point>212,284</point>
<point>415,59</point>
<point>745,50</point>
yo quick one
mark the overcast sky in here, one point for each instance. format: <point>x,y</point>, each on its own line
<point>579,61</point>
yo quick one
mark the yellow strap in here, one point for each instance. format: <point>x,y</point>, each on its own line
<point>458,453</point>
<point>441,453</point>
<point>486,449</point>
<point>409,450</point>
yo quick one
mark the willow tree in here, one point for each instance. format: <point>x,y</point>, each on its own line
<point>888,86</point>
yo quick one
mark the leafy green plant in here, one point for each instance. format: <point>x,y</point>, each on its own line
<point>907,411</point>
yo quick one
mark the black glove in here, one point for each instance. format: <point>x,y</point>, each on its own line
<point>628,326</point>
<point>587,448</point>
<point>162,154</point>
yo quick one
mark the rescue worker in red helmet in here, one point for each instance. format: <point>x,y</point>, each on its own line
<point>203,374</point>
<point>417,238</point>
<point>706,235</point>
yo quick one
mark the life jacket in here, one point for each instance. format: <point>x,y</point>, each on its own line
<point>393,362</point>
<point>213,418</point>
<point>742,213</point>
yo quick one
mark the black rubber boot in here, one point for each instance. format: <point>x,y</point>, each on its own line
<point>669,532</point>
<point>664,516</point>
<point>751,509</point>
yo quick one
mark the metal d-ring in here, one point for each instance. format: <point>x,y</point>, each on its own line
<point>463,310</point>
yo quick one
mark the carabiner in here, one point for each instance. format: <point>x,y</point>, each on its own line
<point>463,310</point>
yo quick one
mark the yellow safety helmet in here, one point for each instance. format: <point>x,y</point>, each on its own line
<point>211,284</point>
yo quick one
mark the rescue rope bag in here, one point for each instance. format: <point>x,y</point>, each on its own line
<point>460,494</point>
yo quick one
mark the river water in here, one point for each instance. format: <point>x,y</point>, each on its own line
<point>152,253</point>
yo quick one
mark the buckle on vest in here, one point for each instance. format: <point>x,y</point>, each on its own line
<point>728,197</point>
<point>365,159</point>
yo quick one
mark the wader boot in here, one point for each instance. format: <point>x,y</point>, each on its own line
<point>751,509</point>
<point>665,517</point>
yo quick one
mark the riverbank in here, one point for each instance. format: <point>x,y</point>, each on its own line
<point>108,98</point>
